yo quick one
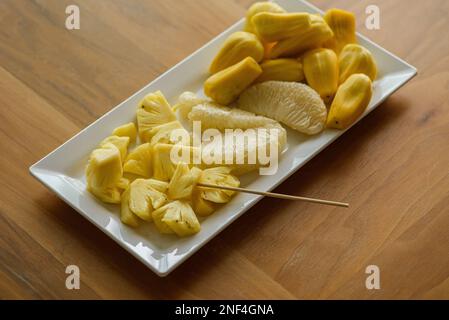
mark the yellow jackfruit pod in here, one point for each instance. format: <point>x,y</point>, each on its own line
<point>237,47</point>
<point>258,7</point>
<point>351,100</point>
<point>281,70</point>
<point>342,24</point>
<point>309,38</point>
<point>225,86</point>
<point>356,59</point>
<point>271,27</point>
<point>321,72</point>
<point>267,47</point>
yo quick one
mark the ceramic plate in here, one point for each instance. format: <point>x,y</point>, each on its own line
<point>62,171</point>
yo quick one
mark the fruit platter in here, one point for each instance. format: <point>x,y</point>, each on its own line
<point>158,173</point>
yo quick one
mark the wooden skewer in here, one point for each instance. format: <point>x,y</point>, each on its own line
<point>276,195</point>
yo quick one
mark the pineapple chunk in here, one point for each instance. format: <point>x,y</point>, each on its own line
<point>123,183</point>
<point>126,215</point>
<point>182,183</point>
<point>153,111</point>
<point>176,217</point>
<point>202,207</point>
<point>104,173</point>
<point>139,161</point>
<point>162,133</point>
<point>163,164</point>
<point>127,130</point>
<point>145,196</point>
<point>120,142</point>
<point>218,176</point>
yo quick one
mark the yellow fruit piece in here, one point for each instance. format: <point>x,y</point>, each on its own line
<point>123,183</point>
<point>220,176</point>
<point>153,111</point>
<point>164,165</point>
<point>104,172</point>
<point>126,130</point>
<point>145,196</point>
<point>356,59</point>
<point>258,7</point>
<point>176,217</point>
<point>139,161</point>
<point>272,27</point>
<point>342,24</point>
<point>225,86</point>
<point>351,100</point>
<point>281,70</point>
<point>321,72</point>
<point>237,47</point>
<point>126,215</point>
<point>309,38</point>
<point>120,142</point>
<point>166,133</point>
<point>182,183</point>
<point>202,207</point>
<point>268,46</point>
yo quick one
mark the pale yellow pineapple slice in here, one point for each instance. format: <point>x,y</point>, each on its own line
<point>202,207</point>
<point>139,161</point>
<point>127,130</point>
<point>163,133</point>
<point>104,173</point>
<point>126,215</point>
<point>176,217</point>
<point>153,111</point>
<point>164,164</point>
<point>182,183</point>
<point>120,142</point>
<point>218,176</point>
<point>145,196</point>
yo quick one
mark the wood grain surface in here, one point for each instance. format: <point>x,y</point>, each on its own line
<point>393,167</point>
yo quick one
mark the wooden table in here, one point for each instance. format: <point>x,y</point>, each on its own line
<point>393,167</point>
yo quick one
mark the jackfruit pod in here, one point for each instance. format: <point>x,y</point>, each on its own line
<point>342,24</point>
<point>321,72</point>
<point>356,59</point>
<point>237,47</point>
<point>225,86</point>
<point>351,100</point>
<point>310,38</point>
<point>258,7</point>
<point>281,70</point>
<point>272,27</point>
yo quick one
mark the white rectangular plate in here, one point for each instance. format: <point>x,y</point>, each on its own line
<point>62,171</point>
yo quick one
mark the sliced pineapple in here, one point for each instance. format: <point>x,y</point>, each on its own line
<point>104,173</point>
<point>123,183</point>
<point>176,217</point>
<point>164,164</point>
<point>182,183</point>
<point>153,111</point>
<point>126,130</point>
<point>145,196</point>
<point>120,142</point>
<point>139,161</point>
<point>126,215</point>
<point>202,207</point>
<point>220,176</point>
<point>163,133</point>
